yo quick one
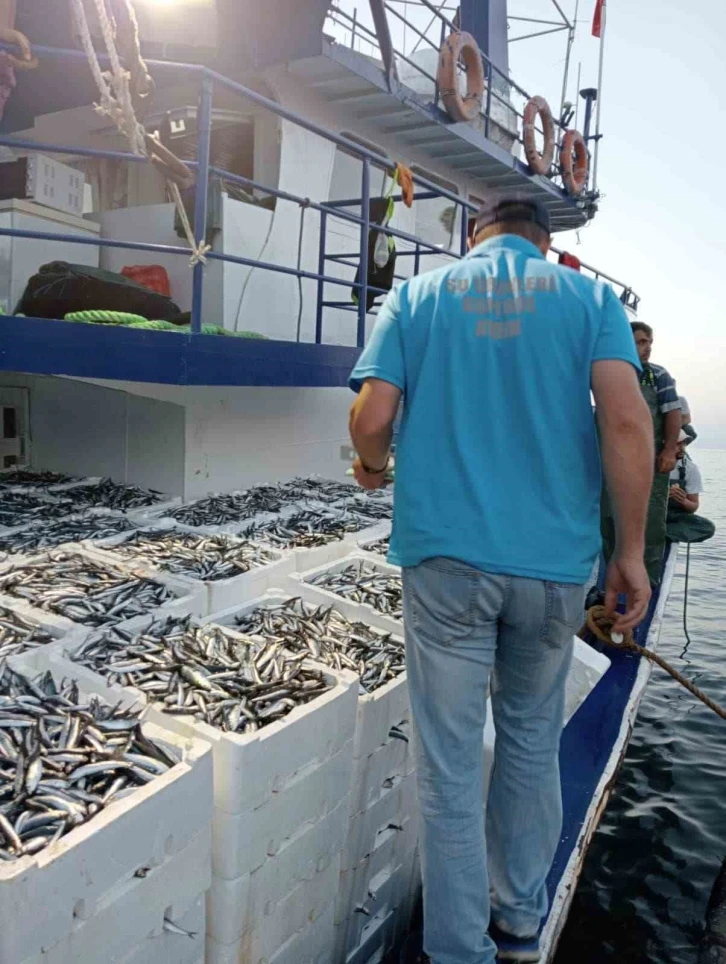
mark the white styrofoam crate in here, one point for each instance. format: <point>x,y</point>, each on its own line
<point>248,768</point>
<point>393,849</point>
<point>184,603</point>
<point>362,611</point>
<point>380,530</point>
<point>391,761</point>
<point>243,842</point>
<point>386,897</point>
<point>164,505</point>
<point>377,937</point>
<point>56,626</point>
<point>233,906</point>
<point>130,919</point>
<point>313,945</point>
<point>282,922</point>
<point>219,594</point>
<point>377,712</point>
<point>169,948</point>
<point>91,867</point>
<point>19,557</point>
<point>366,830</point>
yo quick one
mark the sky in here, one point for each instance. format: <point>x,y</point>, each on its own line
<point>662,221</point>
<point>661,228</point>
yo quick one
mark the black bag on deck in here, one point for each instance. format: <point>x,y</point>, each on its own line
<point>60,288</point>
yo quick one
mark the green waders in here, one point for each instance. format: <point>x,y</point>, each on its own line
<point>655,526</point>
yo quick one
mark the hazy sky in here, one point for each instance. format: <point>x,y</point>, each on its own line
<point>662,221</point>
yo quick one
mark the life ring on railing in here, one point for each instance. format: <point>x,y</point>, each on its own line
<point>574,162</point>
<point>538,107</point>
<point>461,107</point>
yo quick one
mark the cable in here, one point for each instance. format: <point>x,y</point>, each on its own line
<point>685,600</point>
<point>304,205</point>
<point>253,269</point>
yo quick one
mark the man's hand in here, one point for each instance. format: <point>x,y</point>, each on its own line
<point>629,576</point>
<point>678,495</point>
<point>366,479</point>
<point>667,461</point>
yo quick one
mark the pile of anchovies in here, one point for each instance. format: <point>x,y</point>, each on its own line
<point>82,590</point>
<point>322,490</point>
<point>222,509</point>
<point>374,510</point>
<point>110,495</point>
<point>381,546</point>
<point>327,636</point>
<point>235,685</point>
<point>363,582</point>
<point>35,480</point>
<point>17,634</point>
<point>74,529</point>
<point>63,760</point>
<point>307,529</point>
<point>18,508</point>
<point>208,558</point>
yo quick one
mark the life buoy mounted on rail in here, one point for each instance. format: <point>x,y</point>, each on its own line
<point>461,107</point>
<point>538,107</point>
<point>574,162</point>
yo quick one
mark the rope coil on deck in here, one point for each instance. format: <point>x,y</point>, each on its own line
<point>600,625</point>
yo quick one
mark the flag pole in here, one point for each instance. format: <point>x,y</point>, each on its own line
<point>604,15</point>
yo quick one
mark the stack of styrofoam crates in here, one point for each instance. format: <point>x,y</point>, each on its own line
<point>281,798</point>
<point>114,888</point>
<point>378,872</point>
<point>219,594</point>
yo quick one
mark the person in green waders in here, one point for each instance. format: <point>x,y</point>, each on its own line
<point>659,391</point>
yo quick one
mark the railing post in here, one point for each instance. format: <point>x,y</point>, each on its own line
<point>204,137</point>
<point>488,114</point>
<point>321,283</point>
<point>464,228</point>
<point>364,232</point>
<point>437,92</point>
<point>417,260</point>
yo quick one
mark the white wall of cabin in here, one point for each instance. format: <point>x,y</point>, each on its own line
<point>184,441</point>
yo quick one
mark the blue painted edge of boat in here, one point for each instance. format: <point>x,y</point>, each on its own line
<point>593,745</point>
<point>47,347</point>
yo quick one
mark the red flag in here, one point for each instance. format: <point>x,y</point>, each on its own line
<point>597,19</point>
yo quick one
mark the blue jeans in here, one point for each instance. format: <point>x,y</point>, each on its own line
<point>460,625</point>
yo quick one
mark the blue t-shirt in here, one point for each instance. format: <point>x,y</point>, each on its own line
<point>497,463</point>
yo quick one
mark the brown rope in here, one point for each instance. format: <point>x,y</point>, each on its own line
<point>601,626</point>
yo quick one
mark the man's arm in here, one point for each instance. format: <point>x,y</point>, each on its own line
<point>668,457</point>
<point>371,430</point>
<point>626,431</point>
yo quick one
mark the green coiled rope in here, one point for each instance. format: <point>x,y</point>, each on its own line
<point>138,321</point>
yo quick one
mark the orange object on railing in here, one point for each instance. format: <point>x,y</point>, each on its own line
<point>152,276</point>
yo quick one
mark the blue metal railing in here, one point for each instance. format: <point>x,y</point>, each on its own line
<point>210,81</point>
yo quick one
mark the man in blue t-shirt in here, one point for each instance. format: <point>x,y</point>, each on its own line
<point>496,527</point>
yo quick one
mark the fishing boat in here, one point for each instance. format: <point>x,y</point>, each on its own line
<point>330,151</point>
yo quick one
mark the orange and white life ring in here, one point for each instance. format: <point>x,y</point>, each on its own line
<point>460,107</point>
<point>538,107</point>
<point>574,162</point>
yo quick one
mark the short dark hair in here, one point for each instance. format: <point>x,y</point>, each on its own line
<point>641,326</point>
<point>525,229</point>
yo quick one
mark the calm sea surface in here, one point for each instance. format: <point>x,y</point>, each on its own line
<point>653,861</point>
